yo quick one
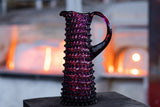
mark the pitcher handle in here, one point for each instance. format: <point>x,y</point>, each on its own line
<point>97,49</point>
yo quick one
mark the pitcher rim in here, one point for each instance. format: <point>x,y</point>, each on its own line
<point>73,12</point>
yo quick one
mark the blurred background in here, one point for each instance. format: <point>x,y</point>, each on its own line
<point>31,48</point>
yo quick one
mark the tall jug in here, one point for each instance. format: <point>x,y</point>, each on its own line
<point>78,81</point>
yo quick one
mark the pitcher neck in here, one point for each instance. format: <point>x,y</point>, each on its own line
<point>73,14</point>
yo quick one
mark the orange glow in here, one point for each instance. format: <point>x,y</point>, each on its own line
<point>111,69</point>
<point>120,63</point>
<point>57,57</point>
<point>134,71</point>
<point>127,67</point>
<point>127,62</point>
<point>47,60</point>
<point>109,56</point>
<point>62,44</point>
<point>120,70</point>
<point>10,57</point>
<point>136,57</point>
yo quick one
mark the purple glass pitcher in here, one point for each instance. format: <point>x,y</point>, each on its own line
<point>78,82</point>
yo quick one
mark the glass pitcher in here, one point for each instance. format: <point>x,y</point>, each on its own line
<point>78,81</point>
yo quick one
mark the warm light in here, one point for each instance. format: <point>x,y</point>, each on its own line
<point>136,57</point>
<point>111,69</point>
<point>47,61</point>
<point>62,43</point>
<point>57,57</point>
<point>134,71</point>
<point>10,57</point>
<point>11,65</point>
<point>120,70</point>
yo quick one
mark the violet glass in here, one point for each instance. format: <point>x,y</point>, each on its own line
<point>78,82</point>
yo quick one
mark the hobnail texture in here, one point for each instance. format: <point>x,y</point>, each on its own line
<point>78,82</point>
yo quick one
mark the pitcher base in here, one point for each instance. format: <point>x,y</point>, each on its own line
<point>79,103</point>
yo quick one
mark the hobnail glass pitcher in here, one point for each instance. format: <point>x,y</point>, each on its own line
<point>78,81</point>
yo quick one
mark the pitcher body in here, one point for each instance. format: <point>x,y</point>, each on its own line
<point>78,81</point>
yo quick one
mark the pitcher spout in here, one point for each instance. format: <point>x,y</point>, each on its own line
<point>63,13</point>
